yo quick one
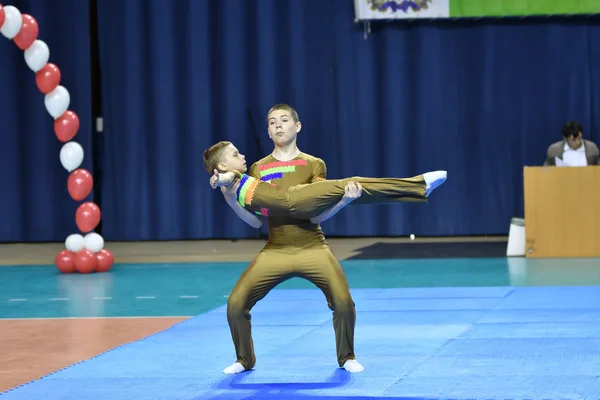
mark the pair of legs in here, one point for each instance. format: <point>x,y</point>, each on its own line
<point>306,201</point>
<point>310,200</point>
<point>273,266</point>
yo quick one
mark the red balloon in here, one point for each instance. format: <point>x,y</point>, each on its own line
<point>105,260</point>
<point>48,78</point>
<point>2,16</point>
<point>28,33</point>
<point>66,126</point>
<point>85,261</point>
<point>87,216</point>
<point>65,261</point>
<point>80,184</point>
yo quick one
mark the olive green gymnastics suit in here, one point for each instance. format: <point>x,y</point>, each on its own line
<point>288,194</point>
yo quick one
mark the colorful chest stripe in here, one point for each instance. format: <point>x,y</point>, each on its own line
<point>267,172</point>
<point>276,170</point>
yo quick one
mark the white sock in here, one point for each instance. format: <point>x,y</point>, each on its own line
<point>433,180</point>
<point>353,366</point>
<point>234,368</point>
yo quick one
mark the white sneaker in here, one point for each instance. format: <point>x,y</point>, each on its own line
<point>433,180</point>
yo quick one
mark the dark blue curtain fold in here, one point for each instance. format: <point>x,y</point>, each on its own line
<point>34,203</point>
<point>480,99</point>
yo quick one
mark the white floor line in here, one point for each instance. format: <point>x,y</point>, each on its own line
<point>110,298</point>
<point>40,319</point>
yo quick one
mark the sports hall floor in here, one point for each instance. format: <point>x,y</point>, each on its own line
<point>436,319</point>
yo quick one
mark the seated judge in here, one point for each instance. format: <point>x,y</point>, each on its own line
<point>573,150</point>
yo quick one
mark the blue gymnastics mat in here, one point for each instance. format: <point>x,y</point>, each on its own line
<point>434,343</point>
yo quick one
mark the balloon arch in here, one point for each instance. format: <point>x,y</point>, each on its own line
<point>84,254</point>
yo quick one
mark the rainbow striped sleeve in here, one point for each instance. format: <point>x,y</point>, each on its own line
<point>245,191</point>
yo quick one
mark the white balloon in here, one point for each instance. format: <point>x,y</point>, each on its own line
<point>75,242</point>
<point>71,156</point>
<point>13,21</point>
<point>57,101</point>
<point>94,242</point>
<point>37,55</point>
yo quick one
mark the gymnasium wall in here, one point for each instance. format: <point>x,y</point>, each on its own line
<point>478,98</point>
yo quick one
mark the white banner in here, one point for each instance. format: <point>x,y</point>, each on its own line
<point>401,9</point>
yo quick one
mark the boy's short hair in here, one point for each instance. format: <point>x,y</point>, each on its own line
<point>212,156</point>
<point>284,107</point>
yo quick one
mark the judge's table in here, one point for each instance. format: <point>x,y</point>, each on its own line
<point>562,211</point>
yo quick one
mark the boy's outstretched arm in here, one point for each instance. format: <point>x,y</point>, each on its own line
<point>251,219</point>
<point>231,198</point>
<point>352,192</point>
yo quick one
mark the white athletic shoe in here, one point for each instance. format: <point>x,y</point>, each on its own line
<point>433,180</point>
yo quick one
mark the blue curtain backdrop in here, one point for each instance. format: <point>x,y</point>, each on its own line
<point>480,99</point>
<point>34,203</point>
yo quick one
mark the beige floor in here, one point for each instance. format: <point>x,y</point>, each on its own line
<point>194,251</point>
<point>34,348</point>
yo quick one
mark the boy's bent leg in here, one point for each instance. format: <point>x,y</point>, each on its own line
<point>265,272</point>
<point>320,266</point>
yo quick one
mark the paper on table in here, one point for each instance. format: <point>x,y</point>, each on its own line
<point>560,163</point>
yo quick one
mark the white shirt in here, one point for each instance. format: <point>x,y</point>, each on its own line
<point>574,158</point>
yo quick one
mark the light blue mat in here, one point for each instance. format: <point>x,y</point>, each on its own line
<point>441,343</point>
